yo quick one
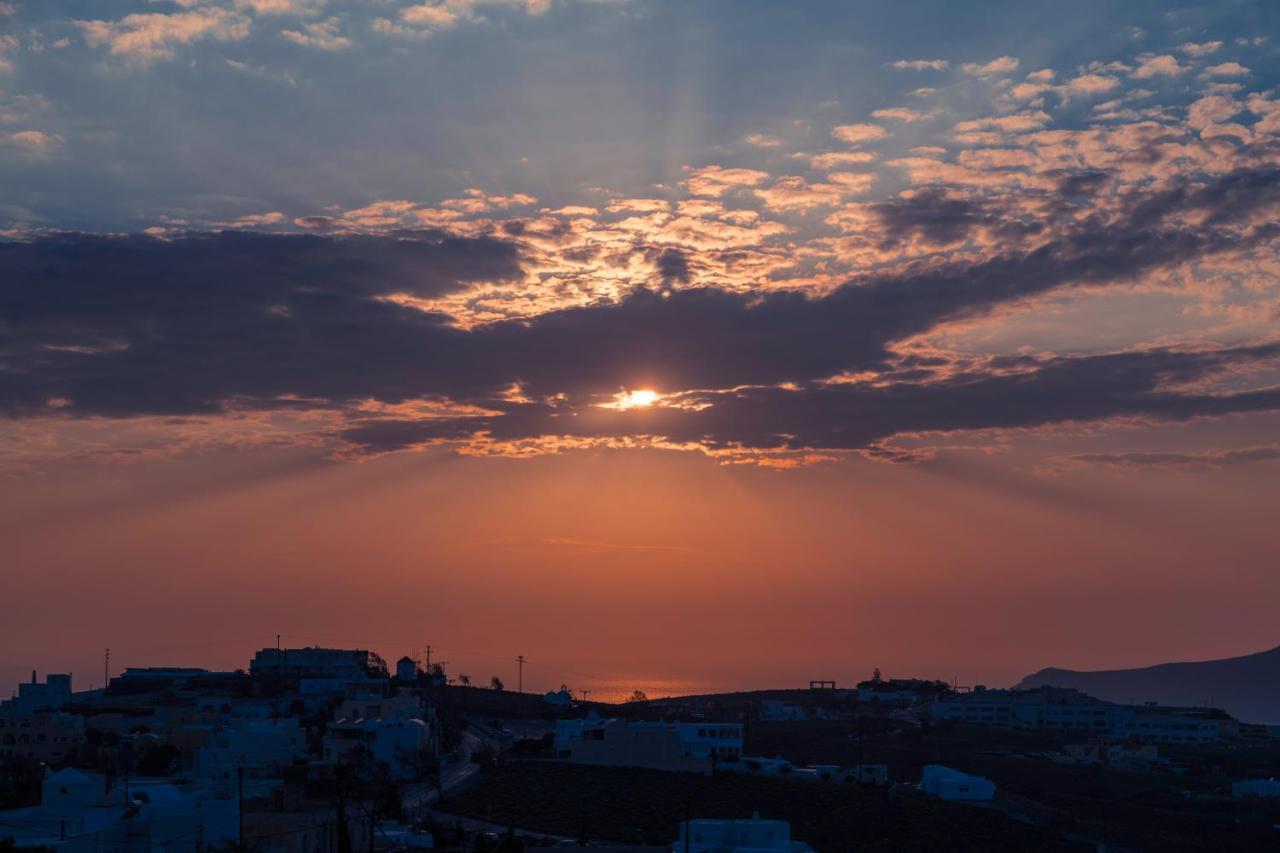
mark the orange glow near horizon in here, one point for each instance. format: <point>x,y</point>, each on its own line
<point>639,568</point>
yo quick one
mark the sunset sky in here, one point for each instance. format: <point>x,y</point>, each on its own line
<point>674,345</point>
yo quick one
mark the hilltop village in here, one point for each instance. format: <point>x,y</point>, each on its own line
<point>317,750</point>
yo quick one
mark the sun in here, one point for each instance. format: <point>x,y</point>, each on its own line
<point>643,398</point>
<point>639,399</point>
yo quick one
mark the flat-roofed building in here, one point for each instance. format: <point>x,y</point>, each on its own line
<point>689,747</point>
<point>48,736</point>
<point>48,695</point>
<point>737,836</point>
<point>316,662</point>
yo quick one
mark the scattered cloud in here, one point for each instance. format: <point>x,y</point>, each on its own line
<point>922,64</point>
<point>716,180</point>
<point>1164,65</point>
<point>1226,69</point>
<point>763,140</point>
<point>1001,65</point>
<point>145,38</point>
<point>903,114</point>
<point>838,159</point>
<point>8,47</point>
<point>34,142</point>
<point>1091,84</point>
<point>281,7</point>
<point>1197,50</point>
<point>1167,460</point>
<point>320,34</point>
<point>857,134</point>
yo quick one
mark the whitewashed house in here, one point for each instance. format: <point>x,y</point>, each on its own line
<point>949,784</point>
<point>400,744</point>
<point>87,813</point>
<point>737,836</point>
<point>261,747</point>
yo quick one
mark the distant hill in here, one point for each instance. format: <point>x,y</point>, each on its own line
<point>1247,687</point>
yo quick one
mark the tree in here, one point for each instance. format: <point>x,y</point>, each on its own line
<point>638,696</point>
<point>876,678</point>
<point>496,683</point>
<point>159,761</point>
<point>464,679</point>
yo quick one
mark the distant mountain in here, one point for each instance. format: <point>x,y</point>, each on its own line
<point>1247,687</point>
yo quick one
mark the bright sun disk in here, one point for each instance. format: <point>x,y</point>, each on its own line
<point>643,398</point>
<point>632,399</point>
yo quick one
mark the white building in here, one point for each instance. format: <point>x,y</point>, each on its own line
<point>887,694</point>
<point>85,813</point>
<point>49,736</point>
<point>1119,753</point>
<point>689,747</point>
<point>1041,708</point>
<point>400,744</point>
<point>949,784</point>
<point>1154,724</point>
<point>567,731</point>
<point>54,693</point>
<point>374,704</point>
<point>1070,711</point>
<point>392,835</point>
<point>321,686</point>
<point>1256,788</point>
<point>899,691</point>
<point>406,669</point>
<point>315,662</point>
<point>261,747</point>
<point>765,766</point>
<point>737,836</point>
<point>869,774</point>
<point>776,710</point>
<point>141,674</point>
<point>720,741</point>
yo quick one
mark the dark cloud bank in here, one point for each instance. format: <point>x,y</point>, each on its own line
<point>128,326</point>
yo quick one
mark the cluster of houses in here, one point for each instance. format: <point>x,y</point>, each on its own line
<point>1069,710</point>
<point>692,747</point>
<point>168,758</point>
<point>171,758</point>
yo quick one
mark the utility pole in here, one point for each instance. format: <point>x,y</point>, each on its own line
<point>520,676</point>
<point>861,757</point>
<point>585,694</point>
<point>428,658</point>
<point>240,805</point>
<point>106,670</point>
<point>344,835</point>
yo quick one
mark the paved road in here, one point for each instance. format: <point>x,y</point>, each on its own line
<point>454,776</point>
